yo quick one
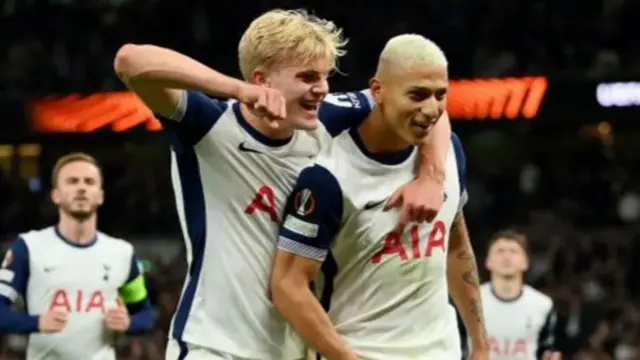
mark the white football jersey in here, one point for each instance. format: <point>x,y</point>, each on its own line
<point>521,328</point>
<point>231,184</point>
<point>387,295</point>
<point>51,272</point>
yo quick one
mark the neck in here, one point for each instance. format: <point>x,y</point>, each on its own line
<point>80,232</point>
<point>378,137</point>
<point>262,126</point>
<point>506,289</point>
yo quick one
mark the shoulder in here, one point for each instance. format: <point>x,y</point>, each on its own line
<point>349,100</point>
<point>118,245</point>
<point>340,111</point>
<point>194,117</point>
<point>538,298</point>
<point>34,237</point>
<point>196,104</point>
<point>320,177</point>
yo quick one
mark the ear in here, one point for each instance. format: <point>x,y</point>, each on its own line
<point>376,90</point>
<point>55,196</point>
<point>100,199</point>
<point>259,77</point>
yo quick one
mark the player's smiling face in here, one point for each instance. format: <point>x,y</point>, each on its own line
<point>78,191</point>
<point>413,99</point>
<point>304,87</point>
<point>507,258</point>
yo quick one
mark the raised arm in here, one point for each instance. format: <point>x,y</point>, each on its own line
<point>312,218</point>
<point>462,269</point>
<point>159,76</point>
<point>172,86</point>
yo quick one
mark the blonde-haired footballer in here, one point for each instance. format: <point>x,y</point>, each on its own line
<point>383,294</point>
<point>80,286</point>
<point>234,163</point>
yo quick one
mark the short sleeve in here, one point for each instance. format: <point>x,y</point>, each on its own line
<point>134,289</point>
<point>14,270</point>
<point>340,111</point>
<point>312,215</point>
<point>194,117</point>
<point>461,162</point>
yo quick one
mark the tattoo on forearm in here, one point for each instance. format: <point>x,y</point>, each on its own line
<point>468,270</point>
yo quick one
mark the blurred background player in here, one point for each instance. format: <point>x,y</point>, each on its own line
<point>384,294</point>
<point>73,278</point>
<point>234,163</point>
<point>520,320</point>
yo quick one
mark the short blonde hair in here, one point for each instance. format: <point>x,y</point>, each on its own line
<point>71,158</point>
<point>280,36</point>
<point>412,49</point>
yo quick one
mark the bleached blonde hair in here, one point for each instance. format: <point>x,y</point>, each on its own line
<point>408,50</point>
<point>285,36</point>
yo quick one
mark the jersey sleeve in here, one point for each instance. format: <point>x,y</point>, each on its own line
<point>134,289</point>
<point>194,117</point>
<point>312,215</point>
<point>340,111</point>
<point>461,161</point>
<point>547,335</point>
<point>14,271</point>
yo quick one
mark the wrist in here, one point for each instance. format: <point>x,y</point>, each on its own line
<point>431,173</point>
<point>479,344</point>
<point>340,353</point>
<point>239,90</point>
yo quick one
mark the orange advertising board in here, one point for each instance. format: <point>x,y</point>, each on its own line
<point>479,99</point>
<point>120,111</point>
<point>503,98</point>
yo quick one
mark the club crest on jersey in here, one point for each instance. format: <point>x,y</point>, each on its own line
<point>8,259</point>
<point>304,202</point>
<point>106,269</point>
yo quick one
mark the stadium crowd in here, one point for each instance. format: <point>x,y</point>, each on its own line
<point>578,207</point>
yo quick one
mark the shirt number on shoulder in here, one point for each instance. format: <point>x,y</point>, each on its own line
<point>345,100</point>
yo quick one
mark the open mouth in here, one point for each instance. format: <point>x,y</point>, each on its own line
<point>421,126</point>
<point>309,106</point>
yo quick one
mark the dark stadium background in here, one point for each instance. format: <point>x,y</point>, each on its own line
<point>568,175</point>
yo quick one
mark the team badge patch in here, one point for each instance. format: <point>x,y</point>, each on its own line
<point>8,259</point>
<point>304,202</point>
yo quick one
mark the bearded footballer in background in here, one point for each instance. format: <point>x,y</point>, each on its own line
<point>383,294</point>
<point>234,163</point>
<point>80,286</point>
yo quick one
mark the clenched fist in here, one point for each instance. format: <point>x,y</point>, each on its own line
<point>264,102</point>
<point>53,321</point>
<point>419,201</point>
<point>117,318</point>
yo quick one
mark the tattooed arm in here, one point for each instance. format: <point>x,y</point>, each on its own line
<point>464,287</point>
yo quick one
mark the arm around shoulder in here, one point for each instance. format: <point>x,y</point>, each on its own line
<point>434,150</point>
